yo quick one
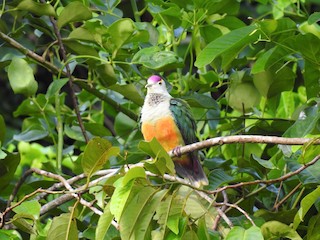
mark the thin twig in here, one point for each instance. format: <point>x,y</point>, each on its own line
<point>276,206</point>
<point>223,209</point>
<point>69,75</point>
<point>268,182</point>
<point>239,209</point>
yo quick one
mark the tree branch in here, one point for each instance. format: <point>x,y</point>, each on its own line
<point>244,139</point>
<point>268,182</point>
<point>56,70</point>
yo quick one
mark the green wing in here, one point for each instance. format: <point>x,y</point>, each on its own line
<point>182,115</point>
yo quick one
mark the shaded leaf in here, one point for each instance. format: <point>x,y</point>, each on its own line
<point>8,166</point>
<point>143,222</point>
<point>63,227</point>
<point>36,8</point>
<point>55,87</point>
<point>129,91</point>
<point>130,215</point>
<point>218,177</point>
<point>305,205</point>
<point>2,130</point>
<point>278,230</point>
<point>74,12</point>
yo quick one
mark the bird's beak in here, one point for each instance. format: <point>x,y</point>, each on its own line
<point>148,85</point>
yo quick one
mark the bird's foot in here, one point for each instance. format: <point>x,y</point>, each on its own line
<point>177,151</point>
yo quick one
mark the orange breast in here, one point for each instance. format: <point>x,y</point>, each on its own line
<point>165,131</point>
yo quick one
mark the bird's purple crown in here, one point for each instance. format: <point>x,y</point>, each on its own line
<point>154,79</point>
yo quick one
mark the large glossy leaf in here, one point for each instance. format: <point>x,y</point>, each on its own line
<point>37,8</point>
<point>305,205</point>
<point>143,222</point>
<point>104,223</point>
<point>130,215</point>
<point>21,77</point>
<point>235,39</point>
<point>8,166</point>
<point>96,154</point>
<point>74,12</point>
<point>306,123</point>
<point>239,233</point>
<point>120,197</point>
<point>157,59</point>
<point>278,230</point>
<point>63,227</point>
<point>162,215</point>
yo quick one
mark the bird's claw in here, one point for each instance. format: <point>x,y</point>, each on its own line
<point>177,151</point>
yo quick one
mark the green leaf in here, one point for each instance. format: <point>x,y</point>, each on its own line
<point>162,214</point>
<point>144,219</point>
<point>129,91</point>
<point>31,207</point>
<point>265,163</point>
<point>63,227</point>
<point>311,79</point>
<point>305,205</point>
<point>21,77</point>
<point>8,166</point>
<point>39,9</point>
<point>308,119</point>
<point>235,39</point>
<point>239,233</point>
<point>80,48</point>
<point>121,31</point>
<point>104,223</point>
<point>120,197</point>
<point>313,228</point>
<point>278,230</point>
<point>30,135</point>
<point>97,152</point>
<point>24,222</point>
<point>124,125</point>
<point>55,87</point>
<point>135,208</point>
<point>74,12</point>
<point>2,130</point>
<point>155,58</point>
<point>176,209</point>
<point>162,162</point>
<point>271,57</point>
<point>9,234</point>
<point>107,76</point>
<point>314,17</point>
<point>133,173</point>
<point>218,177</point>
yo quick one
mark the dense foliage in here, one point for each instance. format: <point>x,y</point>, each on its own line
<point>72,159</point>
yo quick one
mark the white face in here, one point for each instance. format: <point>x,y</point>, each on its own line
<point>158,86</point>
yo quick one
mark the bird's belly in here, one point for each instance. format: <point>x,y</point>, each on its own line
<point>165,131</point>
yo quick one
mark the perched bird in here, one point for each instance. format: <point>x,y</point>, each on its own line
<point>170,121</point>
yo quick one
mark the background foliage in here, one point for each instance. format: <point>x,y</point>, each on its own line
<point>245,67</point>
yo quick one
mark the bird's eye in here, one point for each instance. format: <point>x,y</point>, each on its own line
<point>160,83</point>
